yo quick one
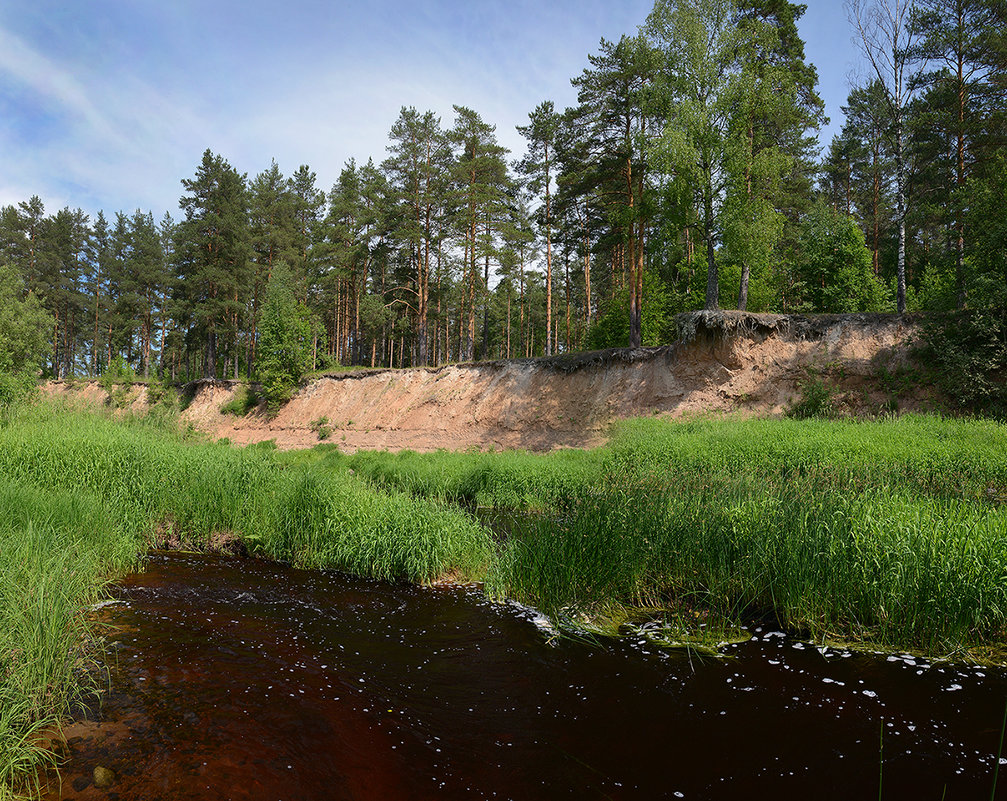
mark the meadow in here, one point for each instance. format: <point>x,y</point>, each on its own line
<point>889,533</point>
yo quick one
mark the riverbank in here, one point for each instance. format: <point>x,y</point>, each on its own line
<point>82,499</point>
<point>891,532</point>
<point>728,362</point>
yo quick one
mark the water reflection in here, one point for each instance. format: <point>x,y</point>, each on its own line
<point>240,679</point>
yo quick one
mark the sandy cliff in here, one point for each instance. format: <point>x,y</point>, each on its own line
<point>724,362</point>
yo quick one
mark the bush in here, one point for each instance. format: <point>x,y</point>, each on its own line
<point>816,400</point>
<point>24,327</point>
<point>321,427</point>
<point>969,353</point>
<point>835,269</point>
<point>242,402</point>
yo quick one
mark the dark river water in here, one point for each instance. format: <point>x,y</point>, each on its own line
<point>237,679</point>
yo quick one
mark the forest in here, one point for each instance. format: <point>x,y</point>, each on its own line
<point>688,175</point>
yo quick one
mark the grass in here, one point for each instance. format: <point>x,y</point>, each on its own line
<point>57,551</point>
<point>893,532</point>
<point>242,402</point>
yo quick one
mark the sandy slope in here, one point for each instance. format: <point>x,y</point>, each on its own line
<point>726,362</point>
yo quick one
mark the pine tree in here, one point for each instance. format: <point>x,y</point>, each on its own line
<point>954,43</point>
<point>418,170</point>
<point>214,240</point>
<point>618,116</point>
<point>869,125</point>
<point>771,158</point>
<point>480,174</point>
<point>539,166</point>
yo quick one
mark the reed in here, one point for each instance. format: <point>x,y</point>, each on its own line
<point>57,551</point>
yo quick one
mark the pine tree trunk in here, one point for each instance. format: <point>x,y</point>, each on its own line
<point>548,261</point>
<point>901,211</point>
<point>587,269</point>
<point>960,298</point>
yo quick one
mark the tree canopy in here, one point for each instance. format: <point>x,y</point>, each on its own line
<point>685,176</point>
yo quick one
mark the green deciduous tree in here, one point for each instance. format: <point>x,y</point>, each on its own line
<point>284,339</point>
<point>835,265</point>
<point>700,43</point>
<point>25,327</point>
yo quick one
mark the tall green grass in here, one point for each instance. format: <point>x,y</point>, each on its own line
<point>57,551</point>
<point>148,479</point>
<point>892,531</point>
<point>892,569</point>
<point>506,479</point>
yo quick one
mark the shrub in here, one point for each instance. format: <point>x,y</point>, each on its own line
<point>969,353</point>
<point>321,427</point>
<point>815,401</point>
<point>242,402</point>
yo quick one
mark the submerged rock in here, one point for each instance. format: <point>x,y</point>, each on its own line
<point>103,777</point>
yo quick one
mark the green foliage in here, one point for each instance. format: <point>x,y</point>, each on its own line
<point>117,380</point>
<point>15,389</point>
<point>937,290</point>
<point>988,229</point>
<point>321,427</point>
<point>969,354</point>
<point>815,401</point>
<point>162,400</point>
<point>57,549</point>
<point>284,340</point>
<point>24,330</point>
<point>835,265</point>
<point>611,329</point>
<point>242,401</point>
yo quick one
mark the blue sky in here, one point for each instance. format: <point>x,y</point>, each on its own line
<point>108,104</point>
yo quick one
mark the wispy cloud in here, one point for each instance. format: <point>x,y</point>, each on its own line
<point>51,82</point>
<point>109,105</point>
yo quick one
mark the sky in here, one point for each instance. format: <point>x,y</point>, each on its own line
<point>108,104</point>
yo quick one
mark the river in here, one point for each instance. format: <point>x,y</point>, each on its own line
<point>241,679</point>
